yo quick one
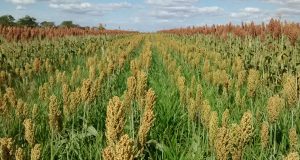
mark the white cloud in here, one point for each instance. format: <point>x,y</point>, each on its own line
<point>62,1</point>
<point>184,12</point>
<point>89,8</point>
<point>25,2</point>
<point>288,11</point>
<point>176,9</point>
<point>171,2</point>
<point>248,12</point>
<point>283,1</point>
<point>287,8</point>
<point>209,10</point>
<point>252,10</point>
<point>72,6</point>
<point>166,14</point>
<point>238,15</point>
<point>75,6</point>
<point>19,7</point>
<point>136,19</point>
<point>286,3</point>
<point>163,21</point>
<point>22,1</point>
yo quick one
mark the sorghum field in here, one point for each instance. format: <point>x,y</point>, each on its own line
<point>220,92</point>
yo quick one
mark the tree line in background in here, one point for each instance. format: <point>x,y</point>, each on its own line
<point>28,21</point>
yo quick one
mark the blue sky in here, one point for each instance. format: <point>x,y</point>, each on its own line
<point>152,15</point>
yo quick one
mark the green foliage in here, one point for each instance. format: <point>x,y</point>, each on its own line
<point>7,20</point>
<point>27,21</point>
<point>47,24</point>
<point>68,24</point>
<point>101,26</point>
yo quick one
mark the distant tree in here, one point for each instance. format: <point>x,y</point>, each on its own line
<point>47,24</point>
<point>7,20</point>
<point>77,26</point>
<point>27,21</point>
<point>86,27</point>
<point>68,24</point>
<point>101,26</point>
